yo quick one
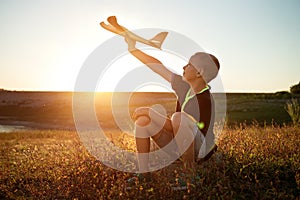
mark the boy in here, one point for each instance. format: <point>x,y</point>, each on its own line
<point>194,116</point>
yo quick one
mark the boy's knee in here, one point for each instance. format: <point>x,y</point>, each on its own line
<point>179,118</point>
<point>176,118</point>
<point>183,120</point>
<point>142,121</point>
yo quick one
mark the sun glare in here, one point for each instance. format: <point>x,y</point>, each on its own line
<point>126,64</point>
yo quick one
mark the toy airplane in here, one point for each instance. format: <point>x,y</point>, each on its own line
<point>114,27</point>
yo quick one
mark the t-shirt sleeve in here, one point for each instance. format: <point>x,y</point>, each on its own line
<point>180,87</point>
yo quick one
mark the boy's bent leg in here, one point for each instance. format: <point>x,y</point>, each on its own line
<point>162,131</point>
<point>184,128</point>
<point>142,143</point>
<point>155,126</point>
<point>144,129</point>
<point>141,134</point>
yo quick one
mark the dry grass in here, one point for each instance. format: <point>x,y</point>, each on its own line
<point>252,162</point>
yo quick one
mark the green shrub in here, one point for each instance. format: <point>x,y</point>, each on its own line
<point>293,109</point>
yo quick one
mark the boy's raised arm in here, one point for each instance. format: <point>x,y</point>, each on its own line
<point>154,64</point>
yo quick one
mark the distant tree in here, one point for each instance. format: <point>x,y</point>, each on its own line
<point>283,94</point>
<point>295,89</point>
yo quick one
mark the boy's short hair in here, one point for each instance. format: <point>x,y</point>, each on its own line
<point>207,64</point>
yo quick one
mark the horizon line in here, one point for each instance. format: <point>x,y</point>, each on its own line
<point>70,91</point>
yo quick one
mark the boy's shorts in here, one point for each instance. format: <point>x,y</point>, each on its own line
<point>199,142</point>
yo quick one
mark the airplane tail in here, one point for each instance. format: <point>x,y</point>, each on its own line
<point>159,39</point>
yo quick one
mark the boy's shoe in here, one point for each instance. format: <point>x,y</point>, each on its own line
<point>137,179</point>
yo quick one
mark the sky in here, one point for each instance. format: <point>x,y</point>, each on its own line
<point>44,44</point>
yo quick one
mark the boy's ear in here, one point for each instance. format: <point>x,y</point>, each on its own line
<point>200,73</point>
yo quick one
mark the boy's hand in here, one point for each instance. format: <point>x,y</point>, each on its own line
<point>142,111</point>
<point>131,43</point>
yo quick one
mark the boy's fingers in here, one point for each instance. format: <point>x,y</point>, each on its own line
<point>140,112</point>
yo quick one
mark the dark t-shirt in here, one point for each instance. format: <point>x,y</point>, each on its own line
<point>200,107</point>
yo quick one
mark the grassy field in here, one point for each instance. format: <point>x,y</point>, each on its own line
<point>258,155</point>
<point>262,108</point>
<point>252,162</point>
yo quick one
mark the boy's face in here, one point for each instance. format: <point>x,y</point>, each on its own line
<point>189,72</point>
